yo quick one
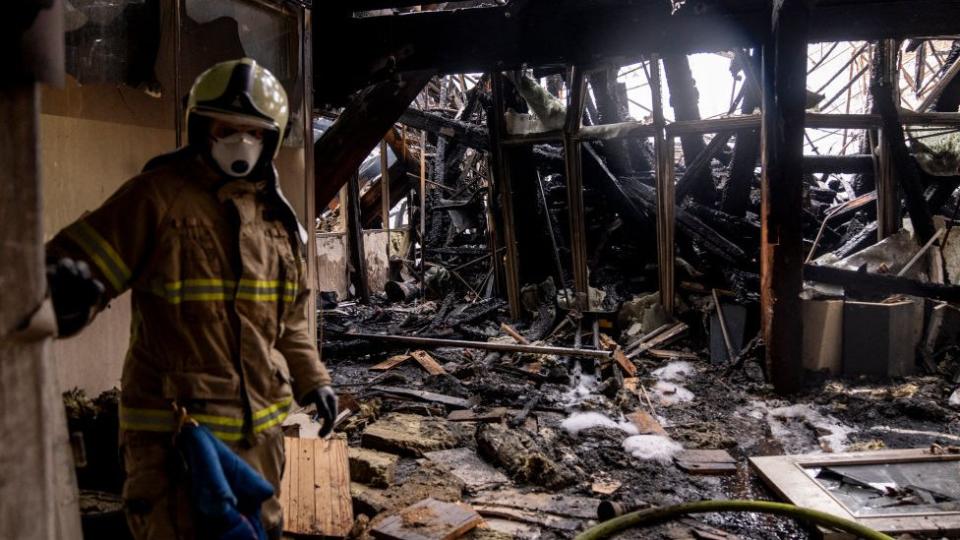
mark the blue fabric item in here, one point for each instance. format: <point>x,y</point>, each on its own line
<point>225,490</point>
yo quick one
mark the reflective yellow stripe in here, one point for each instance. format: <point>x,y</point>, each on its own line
<point>266,418</point>
<point>275,407</point>
<point>226,428</point>
<point>101,253</point>
<point>212,290</point>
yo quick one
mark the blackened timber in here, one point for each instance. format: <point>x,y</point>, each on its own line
<point>906,168</point>
<point>637,201</point>
<point>518,33</point>
<point>781,244</point>
<point>684,99</point>
<point>469,135</point>
<point>483,345</point>
<point>358,262</point>
<point>848,164</point>
<point>746,151</point>
<point>574,178</point>
<point>879,284</point>
<point>503,198</point>
<point>339,152</point>
<point>700,166</point>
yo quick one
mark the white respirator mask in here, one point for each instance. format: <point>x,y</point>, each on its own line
<point>237,154</point>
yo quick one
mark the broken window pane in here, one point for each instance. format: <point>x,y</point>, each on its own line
<point>214,32</point>
<point>893,488</point>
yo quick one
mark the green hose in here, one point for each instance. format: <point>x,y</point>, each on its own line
<point>666,513</point>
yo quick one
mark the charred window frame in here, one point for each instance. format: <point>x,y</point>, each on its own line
<point>271,32</point>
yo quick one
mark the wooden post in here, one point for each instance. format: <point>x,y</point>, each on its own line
<point>781,247</point>
<point>888,198</point>
<point>503,187</point>
<point>38,492</point>
<point>574,174</point>
<point>385,192</point>
<point>663,148</point>
<point>355,235</point>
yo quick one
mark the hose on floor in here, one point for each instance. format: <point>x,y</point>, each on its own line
<point>651,516</point>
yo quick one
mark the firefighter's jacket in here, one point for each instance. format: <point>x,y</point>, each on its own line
<point>219,293</point>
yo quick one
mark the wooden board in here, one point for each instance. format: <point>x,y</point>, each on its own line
<point>391,362</point>
<point>428,519</point>
<point>706,462</point>
<point>625,364</point>
<point>427,362</point>
<point>315,489</point>
<point>424,396</point>
<point>492,415</point>
<point>552,503</point>
<point>526,516</point>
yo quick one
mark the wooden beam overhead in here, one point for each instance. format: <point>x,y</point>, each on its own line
<point>338,153</point>
<point>610,32</point>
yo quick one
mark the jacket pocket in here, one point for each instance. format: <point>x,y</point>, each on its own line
<point>184,387</point>
<point>201,290</point>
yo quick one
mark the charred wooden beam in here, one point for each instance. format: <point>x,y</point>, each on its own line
<point>781,245</point>
<point>573,172</point>
<point>503,191</point>
<point>879,284</point>
<point>358,261</point>
<point>907,171</point>
<point>849,164</point>
<point>623,156</point>
<point>685,101</point>
<point>699,166</point>
<point>466,134</point>
<point>519,33</point>
<point>343,147</point>
<point>746,151</point>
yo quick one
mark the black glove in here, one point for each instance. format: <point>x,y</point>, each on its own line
<point>326,403</point>
<point>74,293</point>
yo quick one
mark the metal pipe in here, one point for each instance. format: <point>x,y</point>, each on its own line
<point>483,345</point>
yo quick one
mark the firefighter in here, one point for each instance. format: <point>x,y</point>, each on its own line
<point>215,259</point>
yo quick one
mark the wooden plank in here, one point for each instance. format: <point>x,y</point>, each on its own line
<point>625,364</point>
<point>341,149</point>
<point>672,355</point>
<point>493,415</point>
<point>706,462</point>
<point>428,363</point>
<point>526,516</point>
<point>391,362</point>
<point>551,503</point>
<point>424,396</point>
<point>38,496</point>
<point>428,519</point>
<point>315,493</point>
<point>662,338</point>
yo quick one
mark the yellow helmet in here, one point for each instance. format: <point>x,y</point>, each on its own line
<point>240,92</point>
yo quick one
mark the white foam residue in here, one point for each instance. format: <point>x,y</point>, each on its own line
<point>586,387</point>
<point>674,371</point>
<point>668,393</point>
<point>652,447</point>
<point>578,422</point>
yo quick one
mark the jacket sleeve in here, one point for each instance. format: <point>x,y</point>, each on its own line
<point>116,238</point>
<point>298,347</point>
